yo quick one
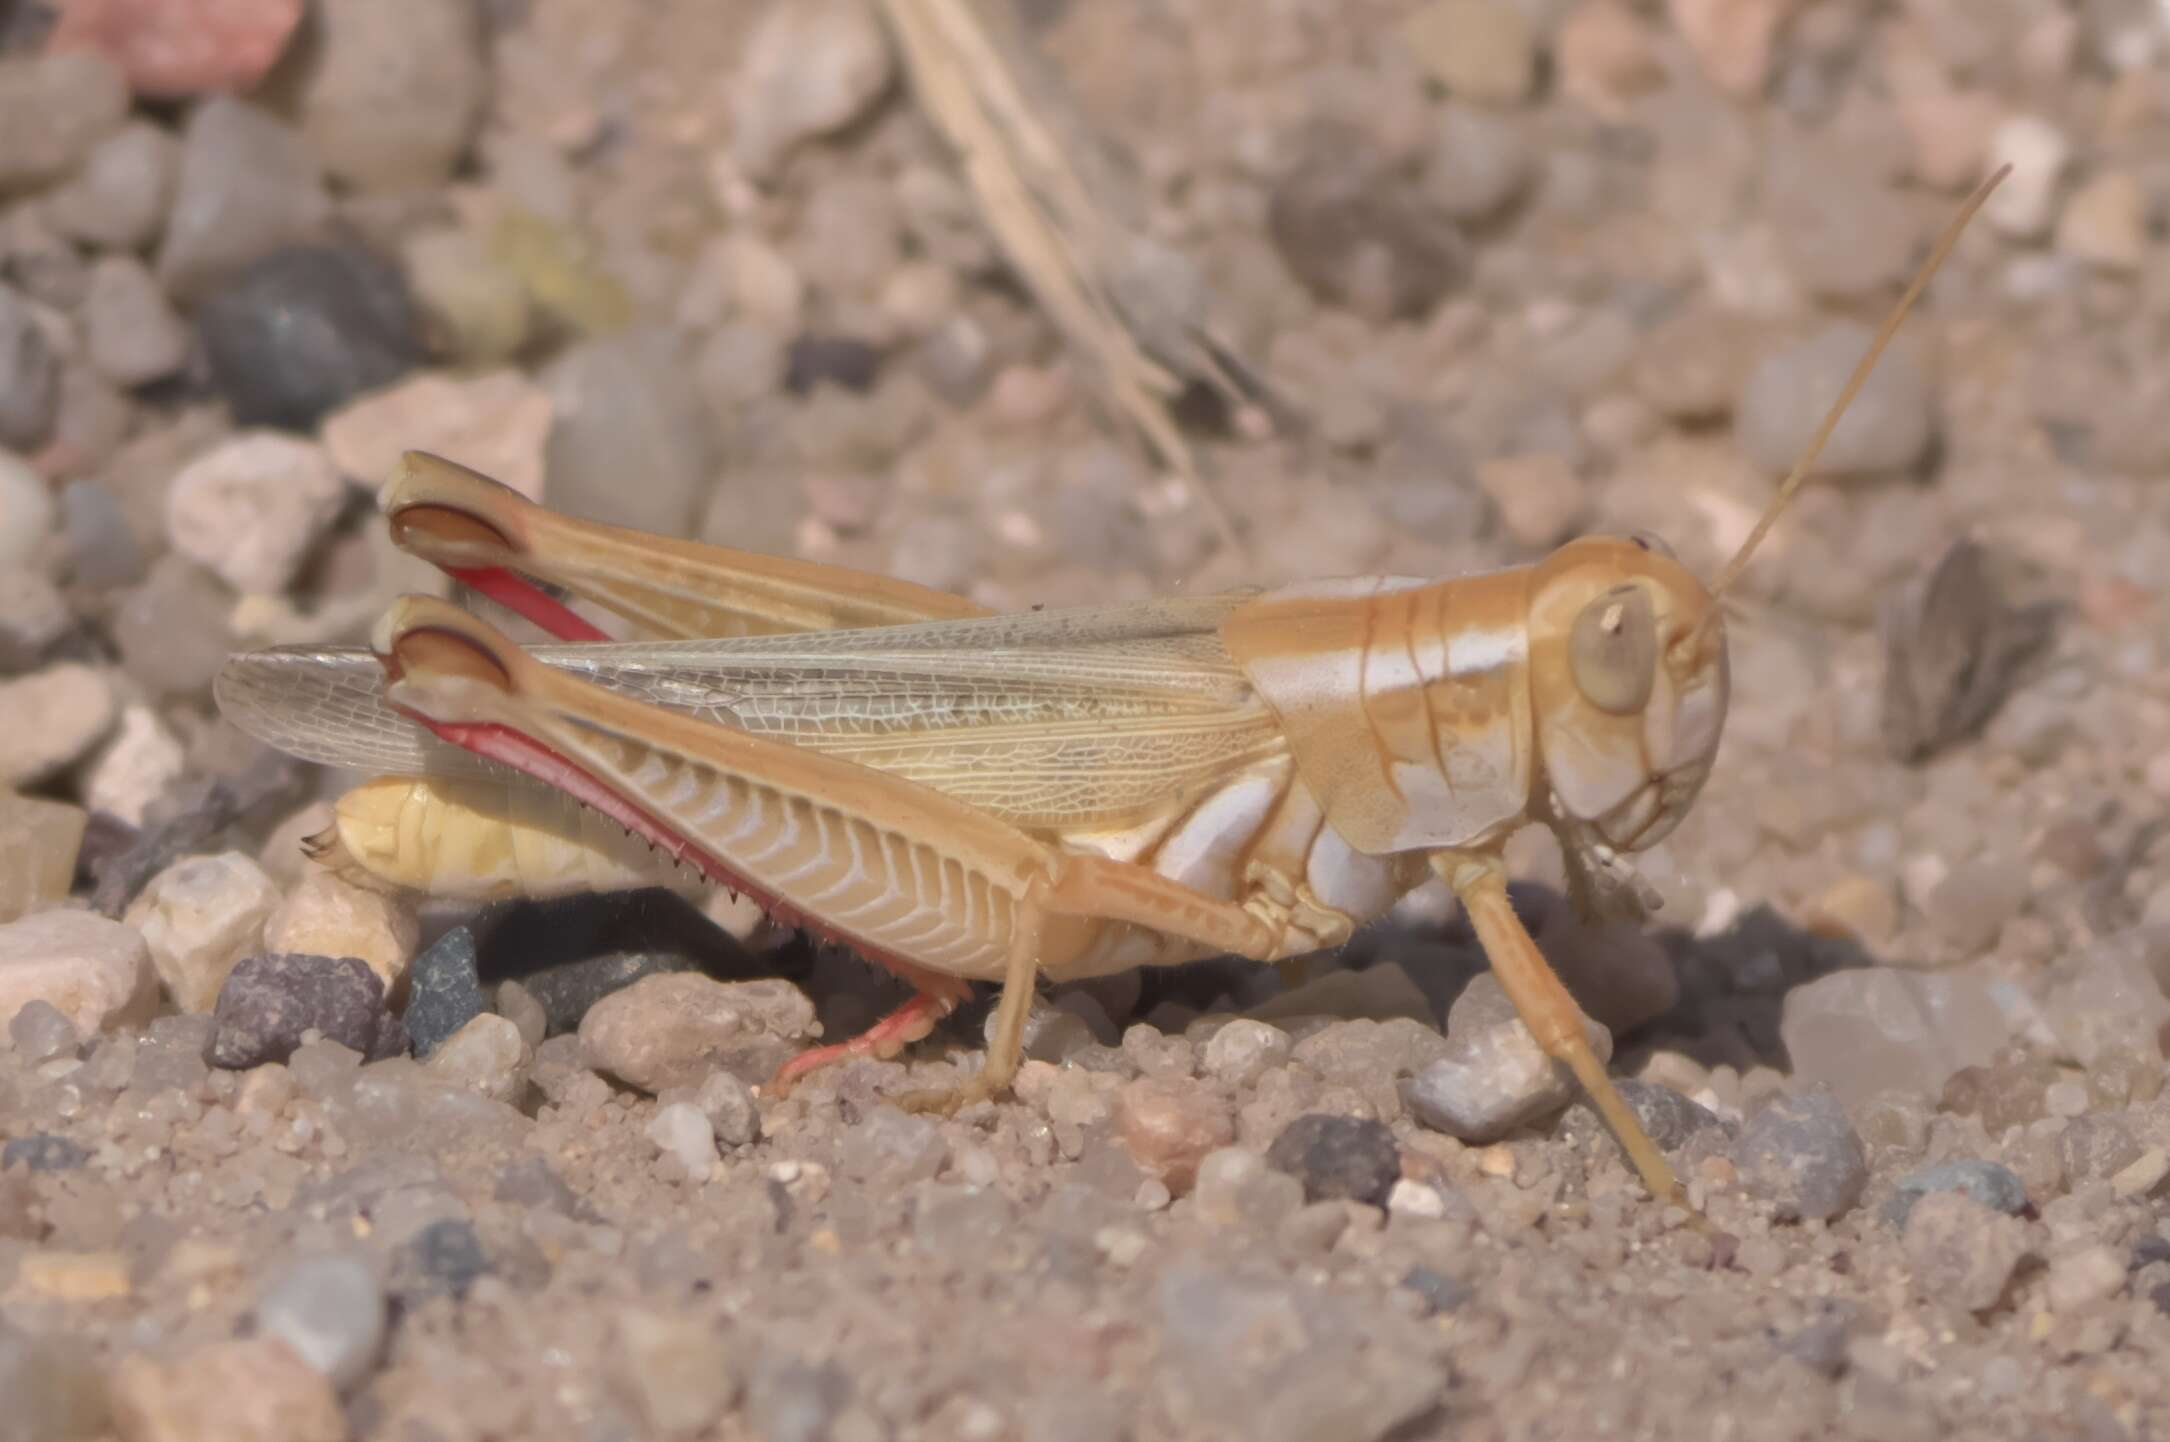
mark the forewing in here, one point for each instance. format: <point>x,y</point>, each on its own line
<point>1053,719</point>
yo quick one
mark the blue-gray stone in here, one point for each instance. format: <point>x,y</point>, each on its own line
<point>43,1152</point>
<point>444,990</point>
<point>1995,1187</point>
<point>305,329</point>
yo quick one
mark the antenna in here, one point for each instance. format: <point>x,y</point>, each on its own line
<point>1799,473</point>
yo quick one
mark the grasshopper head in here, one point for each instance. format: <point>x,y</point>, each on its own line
<point>1628,680</point>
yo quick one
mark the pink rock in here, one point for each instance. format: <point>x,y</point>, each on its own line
<point>171,48</point>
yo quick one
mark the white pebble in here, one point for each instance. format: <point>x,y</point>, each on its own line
<point>331,1311</point>
<point>681,1130</point>
<point>199,917</point>
<point>251,508</point>
<point>2025,204</point>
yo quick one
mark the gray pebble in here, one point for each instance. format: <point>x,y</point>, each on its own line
<point>133,336</point>
<point>268,1001</point>
<point>1963,1254</point>
<point>26,513</point>
<point>1843,231</point>
<point>43,1152</point>
<point>444,1258</point>
<point>628,405</point>
<point>1439,1293</point>
<point>41,1031</point>
<point>397,90</point>
<point>246,186</point>
<point>170,1056</point>
<point>298,331</point>
<point>1996,1187</point>
<point>103,552</point>
<point>54,109</point>
<point>809,68</point>
<point>444,990</point>
<point>893,1148</point>
<point>1667,1117</point>
<point>118,200</point>
<point>1495,1077</point>
<point>34,615</point>
<point>1356,234</point>
<point>1336,1156</point>
<point>331,1311</point>
<point>1800,1152</point>
<point>1888,428</point>
<point>792,1401</point>
<point>518,1005</point>
<point>29,376</point>
<point>1479,164</point>
<point>172,629</point>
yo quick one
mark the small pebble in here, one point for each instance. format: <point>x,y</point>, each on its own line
<point>245,186</point>
<point>2105,222</point>
<point>330,1309</point>
<point>251,509</point>
<point>2110,1003</point>
<point>397,91</point>
<point>445,1258</point>
<point>1169,1126</point>
<point>29,375</point>
<point>679,1130</point>
<point>54,109</point>
<point>200,917</point>
<point>627,405</point>
<point>792,1401</point>
<point>682,1371</point>
<point>327,915</point>
<point>1495,1077</point>
<point>40,843</point>
<point>296,333</point>
<point>255,1390</point>
<point>1236,1187</point>
<point>2025,205</point>
<point>1243,1049</point>
<point>808,69</point>
<point>1541,500</point>
<point>1732,40</point>
<point>497,423</point>
<point>2085,1278</point>
<point>1802,1153</point>
<point>674,1028</point>
<point>2145,1173</point>
<point>1866,1030</point>
<point>1483,50</point>
<point>95,972</point>
<point>1963,1253</point>
<point>1995,1187</point>
<point>892,1148</point>
<point>487,1055</point>
<point>1605,57</point>
<point>1844,231</point>
<point>1338,1157</point>
<point>480,309</point>
<point>269,1000</point>
<point>729,1105</point>
<point>1888,428</point>
<point>33,612</point>
<point>133,336</point>
<point>518,1005</point>
<point>169,49</point>
<point>118,200</point>
<point>172,629</point>
<point>51,718</point>
<point>1356,235</point>
<point>42,1031</point>
<point>444,991</point>
<point>1416,1201</point>
<point>42,1152</point>
<point>132,772</point>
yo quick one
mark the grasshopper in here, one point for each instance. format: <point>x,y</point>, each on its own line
<point>966,796</point>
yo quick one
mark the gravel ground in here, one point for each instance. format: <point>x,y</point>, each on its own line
<point>285,1159</point>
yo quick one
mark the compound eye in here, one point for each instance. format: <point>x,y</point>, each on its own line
<point>1613,651</point>
<point>1651,541</point>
